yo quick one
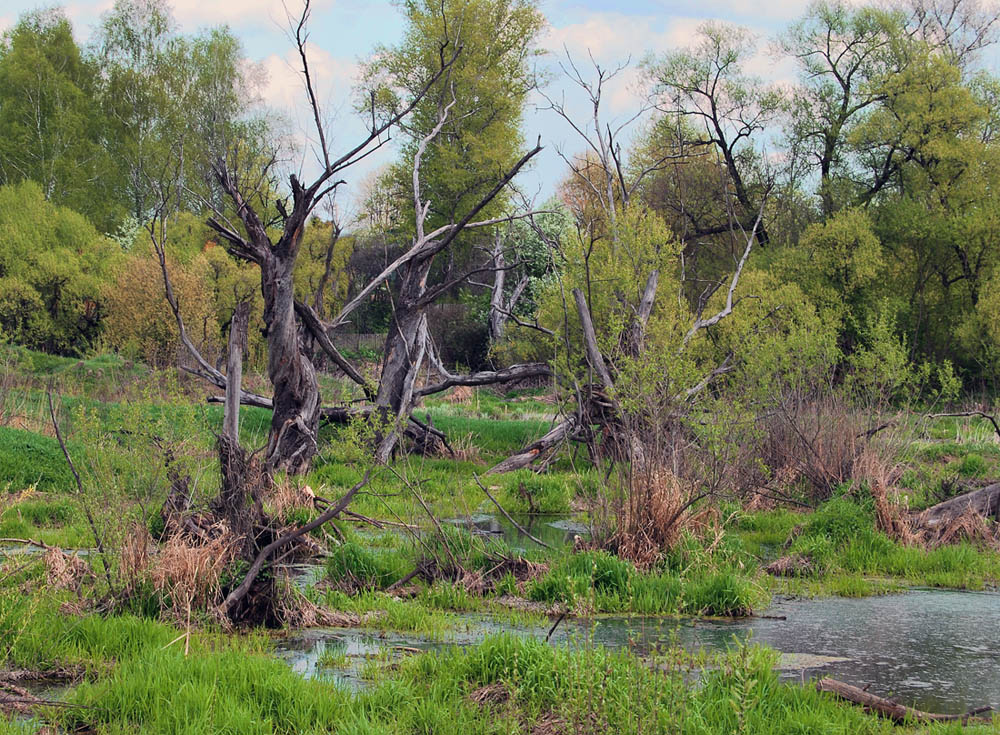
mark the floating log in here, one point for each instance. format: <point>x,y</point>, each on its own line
<point>898,713</point>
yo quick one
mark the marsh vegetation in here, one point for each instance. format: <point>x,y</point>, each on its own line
<point>451,460</point>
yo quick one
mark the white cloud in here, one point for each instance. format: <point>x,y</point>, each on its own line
<point>268,14</point>
<point>332,80</point>
<point>6,21</point>
<point>617,35</point>
<point>771,11</point>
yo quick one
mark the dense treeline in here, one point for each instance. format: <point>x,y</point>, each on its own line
<point>874,178</point>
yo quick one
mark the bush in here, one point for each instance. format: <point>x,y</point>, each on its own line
<point>580,574</point>
<point>840,520</point>
<point>724,593</point>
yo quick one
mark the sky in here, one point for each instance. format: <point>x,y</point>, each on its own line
<point>344,32</point>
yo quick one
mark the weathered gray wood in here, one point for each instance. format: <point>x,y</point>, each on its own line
<point>594,357</point>
<point>894,711</point>
<point>234,370</point>
<point>984,502</point>
<point>537,449</point>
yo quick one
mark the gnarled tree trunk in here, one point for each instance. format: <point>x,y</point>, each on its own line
<point>295,416</point>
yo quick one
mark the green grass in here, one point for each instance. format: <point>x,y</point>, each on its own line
<point>141,681</point>
<point>526,491</point>
<point>32,460</point>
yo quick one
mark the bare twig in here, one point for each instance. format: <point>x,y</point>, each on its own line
<point>506,515</point>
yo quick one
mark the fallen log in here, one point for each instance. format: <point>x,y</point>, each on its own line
<point>984,502</point>
<point>898,713</point>
<point>562,432</point>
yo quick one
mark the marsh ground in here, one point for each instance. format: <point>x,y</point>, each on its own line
<point>144,668</point>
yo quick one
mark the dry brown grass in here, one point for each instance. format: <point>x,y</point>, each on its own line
<point>287,496</point>
<point>464,448</point>
<point>65,571</point>
<point>296,611</point>
<point>134,558</point>
<point>187,574</point>
<point>650,516</point>
<point>460,394</point>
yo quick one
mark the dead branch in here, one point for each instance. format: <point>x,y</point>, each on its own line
<point>91,521</point>
<point>234,370</point>
<point>319,332</point>
<point>506,515</point>
<point>700,323</point>
<point>594,357</point>
<point>558,434</point>
<point>962,414</point>
<point>898,713</point>
<point>486,377</point>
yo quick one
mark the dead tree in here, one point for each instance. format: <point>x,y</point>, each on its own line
<point>292,326</point>
<point>502,304</point>
<point>596,401</point>
<point>609,180</point>
<point>292,441</point>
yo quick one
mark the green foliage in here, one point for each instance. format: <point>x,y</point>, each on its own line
<point>51,123</point>
<point>365,568</point>
<point>489,79</point>
<point>840,520</point>
<point>53,270</point>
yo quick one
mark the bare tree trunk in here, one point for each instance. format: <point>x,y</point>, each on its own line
<point>498,316</point>
<point>234,370</point>
<point>295,414</point>
<point>405,349</point>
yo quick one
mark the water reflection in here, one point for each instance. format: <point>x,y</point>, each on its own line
<point>934,650</point>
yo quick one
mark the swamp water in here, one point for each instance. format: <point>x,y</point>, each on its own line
<point>935,650</point>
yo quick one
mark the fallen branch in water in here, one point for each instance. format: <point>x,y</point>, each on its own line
<point>26,542</point>
<point>506,515</point>
<point>898,713</point>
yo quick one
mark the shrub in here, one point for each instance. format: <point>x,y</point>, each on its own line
<point>840,520</point>
<point>725,593</point>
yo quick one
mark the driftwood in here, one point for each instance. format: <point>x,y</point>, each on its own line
<point>984,502</point>
<point>898,713</point>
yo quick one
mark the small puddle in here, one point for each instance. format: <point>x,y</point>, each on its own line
<point>554,529</point>
<point>935,650</point>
